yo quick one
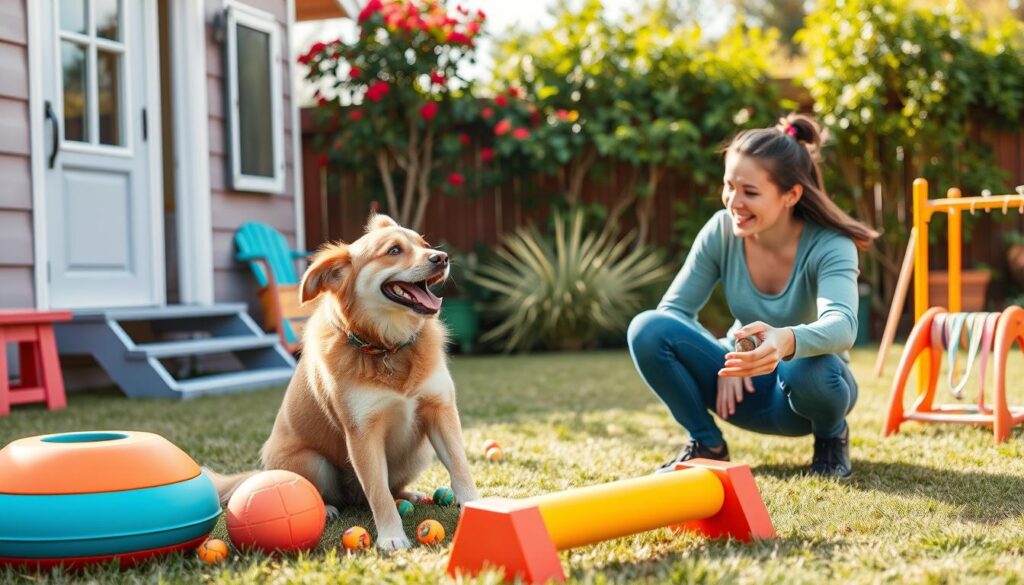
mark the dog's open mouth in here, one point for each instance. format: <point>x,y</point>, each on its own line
<point>415,295</point>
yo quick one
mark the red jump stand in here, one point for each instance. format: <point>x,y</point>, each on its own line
<point>523,537</point>
<point>41,378</point>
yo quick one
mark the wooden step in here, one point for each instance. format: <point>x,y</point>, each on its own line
<point>234,382</point>
<point>160,313</point>
<point>201,346</point>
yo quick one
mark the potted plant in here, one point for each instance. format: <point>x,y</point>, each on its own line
<point>458,311</point>
<point>973,286</point>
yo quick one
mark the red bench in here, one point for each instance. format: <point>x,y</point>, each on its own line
<point>41,378</point>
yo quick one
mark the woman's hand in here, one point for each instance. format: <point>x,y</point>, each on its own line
<point>730,391</point>
<point>776,344</point>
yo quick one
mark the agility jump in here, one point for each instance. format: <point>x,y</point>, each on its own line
<point>523,537</point>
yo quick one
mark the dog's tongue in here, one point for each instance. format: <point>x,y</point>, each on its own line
<point>422,295</point>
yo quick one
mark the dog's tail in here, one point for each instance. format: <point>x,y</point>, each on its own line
<point>227,484</point>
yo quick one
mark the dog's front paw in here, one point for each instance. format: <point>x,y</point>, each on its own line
<point>414,497</point>
<point>393,543</point>
<point>332,512</point>
<point>466,497</point>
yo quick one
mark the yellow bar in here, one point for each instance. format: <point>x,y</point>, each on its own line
<point>600,512</point>
<point>953,247</point>
<point>921,273</point>
<point>1011,202</point>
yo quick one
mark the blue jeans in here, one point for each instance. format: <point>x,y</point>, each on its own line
<point>680,360</point>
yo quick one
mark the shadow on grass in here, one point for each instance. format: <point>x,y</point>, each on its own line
<point>674,564</point>
<point>980,497</point>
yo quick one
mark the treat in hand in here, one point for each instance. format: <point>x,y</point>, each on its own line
<point>748,343</point>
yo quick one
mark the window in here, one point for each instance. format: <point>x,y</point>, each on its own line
<point>255,112</point>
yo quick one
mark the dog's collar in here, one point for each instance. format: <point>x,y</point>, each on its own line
<point>371,349</point>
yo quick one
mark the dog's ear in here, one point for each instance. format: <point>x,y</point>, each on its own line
<point>327,271</point>
<point>378,221</point>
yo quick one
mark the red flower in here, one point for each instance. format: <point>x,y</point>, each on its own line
<point>563,115</point>
<point>304,59</point>
<point>501,101</point>
<point>502,128</point>
<point>355,115</point>
<point>515,92</point>
<point>354,72</point>
<point>520,134</point>
<point>486,154</point>
<point>368,10</point>
<point>486,113</point>
<point>316,48</point>
<point>472,27</point>
<point>480,16</point>
<point>463,138</point>
<point>394,20</point>
<point>428,111</point>
<point>377,91</point>
<point>457,38</point>
<point>437,77</point>
<point>321,101</point>
<point>322,160</point>
<point>456,180</point>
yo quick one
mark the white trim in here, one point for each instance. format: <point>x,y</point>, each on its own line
<point>352,7</point>
<point>37,155</point>
<point>297,168</point>
<point>155,144</point>
<point>191,150</point>
<point>244,15</point>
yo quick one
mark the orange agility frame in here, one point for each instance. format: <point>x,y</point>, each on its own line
<point>923,347</point>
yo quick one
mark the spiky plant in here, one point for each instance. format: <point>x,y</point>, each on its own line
<point>567,289</point>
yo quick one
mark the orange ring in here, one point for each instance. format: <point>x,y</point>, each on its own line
<point>92,462</point>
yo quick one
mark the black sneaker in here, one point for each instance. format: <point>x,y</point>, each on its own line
<point>694,450</point>
<point>832,457</point>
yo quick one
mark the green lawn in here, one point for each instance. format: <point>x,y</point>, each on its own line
<point>934,504</point>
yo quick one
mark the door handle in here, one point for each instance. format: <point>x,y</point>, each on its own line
<point>52,117</point>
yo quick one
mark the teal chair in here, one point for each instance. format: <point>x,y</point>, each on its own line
<point>273,265</point>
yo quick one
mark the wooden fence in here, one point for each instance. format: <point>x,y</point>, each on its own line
<point>334,212</point>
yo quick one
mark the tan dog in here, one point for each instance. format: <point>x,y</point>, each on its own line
<point>372,391</point>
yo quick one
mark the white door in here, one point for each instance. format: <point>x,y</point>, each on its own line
<point>104,226</point>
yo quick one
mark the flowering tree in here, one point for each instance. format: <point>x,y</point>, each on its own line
<point>650,96</point>
<point>393,99</point>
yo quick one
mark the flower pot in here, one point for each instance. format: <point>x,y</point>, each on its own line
<point>973,285</point>
<point>1015,263</point>
<point>462,320</point>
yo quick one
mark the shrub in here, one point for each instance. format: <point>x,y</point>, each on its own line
<point>566,290</point>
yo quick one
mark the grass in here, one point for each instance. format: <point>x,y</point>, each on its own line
<point>934,504</point>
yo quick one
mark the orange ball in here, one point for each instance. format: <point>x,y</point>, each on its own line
<point>356,538</point>
<point>493,454</point>
<point>276,511</point>
<point>212,551</point>
<point>492,444</point>
<point>430,532</point>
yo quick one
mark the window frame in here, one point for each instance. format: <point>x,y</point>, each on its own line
<point>237,14</point>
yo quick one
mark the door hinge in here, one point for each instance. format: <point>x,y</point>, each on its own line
<point>145,125</point>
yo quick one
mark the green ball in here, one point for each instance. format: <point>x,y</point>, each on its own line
<point>405,507</point>
<point>444,497</point>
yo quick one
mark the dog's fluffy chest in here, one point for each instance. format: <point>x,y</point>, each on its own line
<point>368,403</point>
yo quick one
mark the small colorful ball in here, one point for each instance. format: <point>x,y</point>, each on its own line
<point>430,532</point>
<point>491,445</point>
<point>356,538</point>
<point>212,551</point>
<point>444,497</point>
<point>405,507</point>
<point>493,454</point>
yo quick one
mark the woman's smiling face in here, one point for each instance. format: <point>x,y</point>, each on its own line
<point>754,202</point>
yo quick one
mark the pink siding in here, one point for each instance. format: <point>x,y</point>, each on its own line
<point>16,250</point>
<point>230,209</point>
